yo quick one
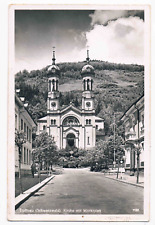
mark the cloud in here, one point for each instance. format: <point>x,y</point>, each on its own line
<point>121,41</point>
<point>103,17</point>
<point>115,36</point>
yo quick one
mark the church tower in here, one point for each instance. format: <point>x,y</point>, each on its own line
<point>87,96</point>
<point>88,111</point>
<point>53,86</point>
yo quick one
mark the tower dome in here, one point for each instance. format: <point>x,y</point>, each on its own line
<point>53,69</point>
<point>87,69</point>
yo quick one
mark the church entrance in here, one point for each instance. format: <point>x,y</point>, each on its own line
<point>71,140</point>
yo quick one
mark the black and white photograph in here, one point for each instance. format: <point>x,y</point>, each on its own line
<point>79,107</point>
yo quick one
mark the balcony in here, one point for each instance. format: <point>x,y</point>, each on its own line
<point>130,135</point>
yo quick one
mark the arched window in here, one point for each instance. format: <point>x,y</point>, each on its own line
<point>84,85</point>
<point>44,127</point>
<point>53,85</point>
<point>88,143</point>
<point>53,122</point>
<point>49,87</point>
<point>88,88</point>
<point>88,121</point>
<point>71,121</point>
<point>91,84</point>
<point>56,85</point>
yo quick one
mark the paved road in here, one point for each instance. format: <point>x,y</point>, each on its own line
<point>79,191</point>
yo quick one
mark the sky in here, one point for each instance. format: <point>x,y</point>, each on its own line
<point>112,35</point>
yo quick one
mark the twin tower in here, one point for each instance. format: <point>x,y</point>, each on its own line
<point>53,86</point>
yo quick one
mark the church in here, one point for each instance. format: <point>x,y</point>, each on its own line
<point>70,126</point>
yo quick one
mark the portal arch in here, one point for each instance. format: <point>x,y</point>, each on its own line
<point>70,121</point>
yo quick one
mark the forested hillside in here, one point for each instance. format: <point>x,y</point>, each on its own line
<point>116,87</point>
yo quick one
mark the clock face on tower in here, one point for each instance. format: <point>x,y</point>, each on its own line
<point>53,104</point>
<point>88,104</point>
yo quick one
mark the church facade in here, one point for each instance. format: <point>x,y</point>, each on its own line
<point>71,126</point>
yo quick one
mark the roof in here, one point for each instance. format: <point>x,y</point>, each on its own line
<point>43,118</point>
<point>98,118</point>
<point>53,70</point>
<point>87,70</point>
<point>71,106</point>
<point>21,105</point>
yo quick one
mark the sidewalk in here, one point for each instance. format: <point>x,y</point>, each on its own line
<point>23,197</point>
<point>126,178</point>
<point>27,182</point>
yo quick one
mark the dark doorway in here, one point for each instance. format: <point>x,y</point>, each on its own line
<point>71,140</point>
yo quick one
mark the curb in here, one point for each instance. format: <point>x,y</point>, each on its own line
<point>137,185</point>
<point>28,193</point>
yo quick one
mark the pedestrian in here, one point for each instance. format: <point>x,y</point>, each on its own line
<point>32,170</point>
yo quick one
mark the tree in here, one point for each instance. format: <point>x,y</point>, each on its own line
<point>20,139</point>
<point>95,157</point>
<point>45,150</point>
<point>98,108</point>
<point>76,103</point>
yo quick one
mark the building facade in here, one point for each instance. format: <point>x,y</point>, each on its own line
<point>71,126</point>
<point>23,123</point>
<point>133,120</point>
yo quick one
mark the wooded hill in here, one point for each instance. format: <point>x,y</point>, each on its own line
<point>116,87</point>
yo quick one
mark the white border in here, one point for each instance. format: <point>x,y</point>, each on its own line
<point>12,216</point>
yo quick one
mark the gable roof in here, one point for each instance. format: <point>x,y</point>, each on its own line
<point>71,107</point>
<point>70,128</point>
<point>24,110</point>
<point>43,118</point>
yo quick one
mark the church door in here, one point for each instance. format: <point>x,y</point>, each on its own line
<point>71,140</point>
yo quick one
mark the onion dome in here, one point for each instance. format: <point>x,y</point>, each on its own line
<point>53,69</point>
<point>87,69</point>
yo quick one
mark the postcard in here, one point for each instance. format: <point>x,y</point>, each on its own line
<point>79,113</point>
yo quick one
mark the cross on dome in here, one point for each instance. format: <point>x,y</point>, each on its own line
<point>87,59</point>
<point>53,59</point>
<point>53,69</point>
<point>87,69</point>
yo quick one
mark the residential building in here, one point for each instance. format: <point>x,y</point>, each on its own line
<point>133,120</point>
<point>23,123</point>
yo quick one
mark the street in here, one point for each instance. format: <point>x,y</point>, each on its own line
<point>79,191</point>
